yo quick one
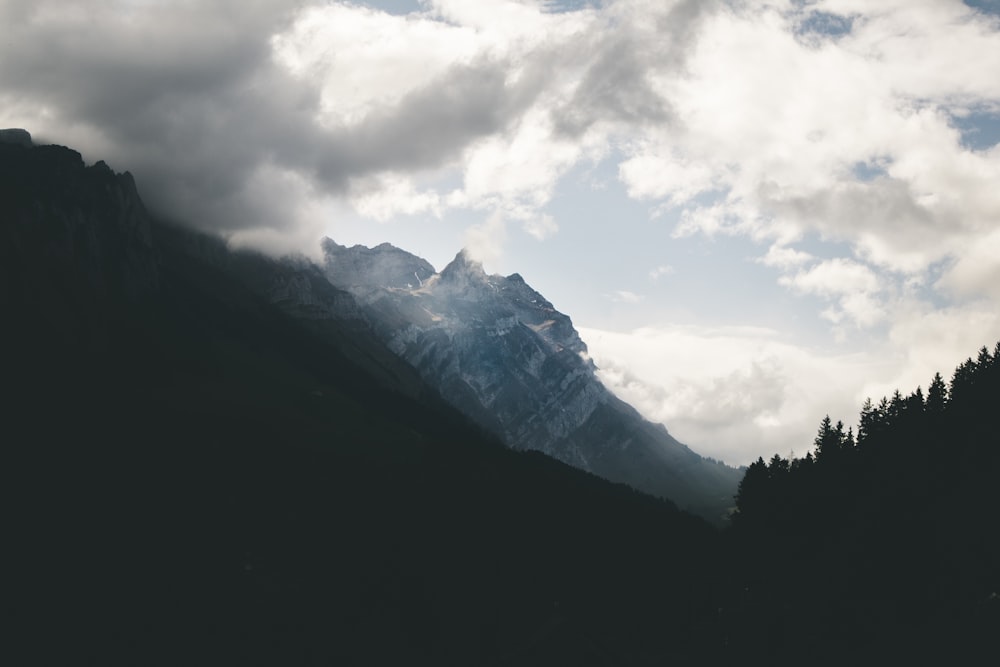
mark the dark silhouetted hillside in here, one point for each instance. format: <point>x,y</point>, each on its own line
<point>210,465</point>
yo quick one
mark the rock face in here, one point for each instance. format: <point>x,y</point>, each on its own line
<point>15,136</point>
<point>381,266</point>
<point>77,240</point>
<point>501,353</point>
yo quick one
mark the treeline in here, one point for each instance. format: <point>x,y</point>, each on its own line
<point>884,537</point>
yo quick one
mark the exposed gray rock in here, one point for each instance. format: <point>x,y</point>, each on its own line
<point>381,266</point>
<point>499,351</point>
<point>89,218</point>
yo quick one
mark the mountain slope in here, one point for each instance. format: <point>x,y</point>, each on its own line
<point>196,477</point>
<point>501,353</point>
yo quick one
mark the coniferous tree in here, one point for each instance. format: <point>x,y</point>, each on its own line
<point>937,396</point>
<point>896,407</point>
<point>962,378</point>
<point>751,492</point>
<point>777,468</point>
<point>883,411</point>
<point>866,423</point>
<point>827,441</point>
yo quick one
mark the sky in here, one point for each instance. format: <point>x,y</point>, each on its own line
<point>756,212</point>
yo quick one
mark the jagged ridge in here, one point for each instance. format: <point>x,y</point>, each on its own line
<point>501,353</point>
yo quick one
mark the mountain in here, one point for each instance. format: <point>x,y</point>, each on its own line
<point>210,458</point>
<point>502,354</point>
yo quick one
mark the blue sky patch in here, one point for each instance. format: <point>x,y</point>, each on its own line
<point>868,171</point>
<point>980,129</point>
<point>985,6</point>
<point>398,7</point>
<point>826,24</point>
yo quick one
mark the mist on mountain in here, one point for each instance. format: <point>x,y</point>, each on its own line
<point>501,353</point>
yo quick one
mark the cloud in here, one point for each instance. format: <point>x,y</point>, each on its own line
<point>660,271</point>
<point>739,392</point>
<point>387,196</point>
<point>614,89</point>
<point>202,100</point>
<point>198,101</point>
<point>624,296</point>
<point>976,272</point>
<point>748,119</point>
<point>772,399</point>
<point>674,178</point>
<point>684,377</point>
<point>182,94</point>
<point>833,277</point>
<point>929,340</point>
<point>540,226</point>
<point>363,60</point>
<point>853,286</point>
<point>783,257</point>
<point>833,134</point>
<point>485,241</point>
<point>768,128</point>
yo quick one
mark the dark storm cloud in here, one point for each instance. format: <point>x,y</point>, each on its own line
<point>131,69</point>
<point>429,125</point>
<point>616,85</point>
<point>187,96</point>
<point>882,204</point>
<point>615,88</point>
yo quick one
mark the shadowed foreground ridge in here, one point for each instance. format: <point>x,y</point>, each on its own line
<point>202,479</point>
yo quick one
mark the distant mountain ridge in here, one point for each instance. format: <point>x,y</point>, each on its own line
<point>501,353</point>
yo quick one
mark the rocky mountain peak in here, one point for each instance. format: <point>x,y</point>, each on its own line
<point>502,353</point>
<point>464,271</point>
<point>384,266</point>
<point>50,198</point>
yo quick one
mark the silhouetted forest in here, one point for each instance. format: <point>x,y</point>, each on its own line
<point>885,539</point>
